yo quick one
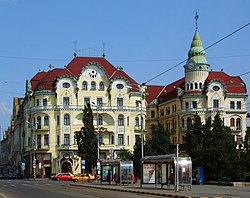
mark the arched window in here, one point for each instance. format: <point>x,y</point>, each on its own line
<point>101,86</point>
<point>39,122</point>
<point>46,120</point>
<point>187,86</point>
<point>100,120</point>
<point>120,120</point>
<point>66,119</point>
<point>137,121</point>
<point>93,85</point>
<point>84,85</point>
<point>189,123</point>
<point>232,122</point>
<point>200,85</point>
<point>196,85</point>
<point>191,86</point>
<point>238,124</point>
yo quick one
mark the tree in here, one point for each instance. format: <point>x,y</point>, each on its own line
<point>212,146</point>
<point>159,142</point>
<point>87,139</point>
<point>137,156</point>
<point>194,140</point>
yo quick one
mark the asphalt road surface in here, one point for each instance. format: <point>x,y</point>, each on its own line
<point>55,189</point>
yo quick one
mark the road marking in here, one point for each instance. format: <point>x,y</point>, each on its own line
<point>1,195</point>
<point>4,185</point>
<point>13,185</point>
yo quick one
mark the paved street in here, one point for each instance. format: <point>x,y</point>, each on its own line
<point>55,189</point>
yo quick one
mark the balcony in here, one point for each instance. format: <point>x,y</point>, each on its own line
<point>42,147</point>
<point>67,147</point>
<point>81,108</point>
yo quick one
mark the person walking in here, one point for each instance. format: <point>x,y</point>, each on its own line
<point>108,177</point>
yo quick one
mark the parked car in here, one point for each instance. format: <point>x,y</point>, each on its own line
<point>86,177</point>
<point>64,177</point>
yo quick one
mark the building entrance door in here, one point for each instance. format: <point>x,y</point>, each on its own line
<point>66,167</point>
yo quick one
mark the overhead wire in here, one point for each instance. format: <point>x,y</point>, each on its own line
<point>213,44</point>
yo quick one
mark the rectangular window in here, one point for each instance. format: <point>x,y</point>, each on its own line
<point>128,139</point>
<point>231,104</point>
<point>152,114</point>
<point>66,139</point>
<point>187,105</point>
<point>86,101</point>
<point>37,102</point>
<point>215,103</point>
<point>39,141</point>
<point>194,103</point>
<point>46,139</point>
<point>29,142</point>
<point>127,120</point>
<point>66,101</point>
<point>99,102</point>
<point>120,102</point>
<point>120,139</point>
<point>58,140</point>
<point>45,102</point>
<point>137,103</point>
<point>238,104</point>
<point>58,120</point>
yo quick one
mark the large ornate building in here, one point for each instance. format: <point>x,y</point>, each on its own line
<point>201,91</point>
<point>53,111</point>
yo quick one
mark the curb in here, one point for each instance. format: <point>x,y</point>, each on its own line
<point>131,191</point>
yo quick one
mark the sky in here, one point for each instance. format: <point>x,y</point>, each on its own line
<point>145,37</point>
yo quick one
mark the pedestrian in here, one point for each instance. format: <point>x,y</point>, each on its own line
<point>108,177</point>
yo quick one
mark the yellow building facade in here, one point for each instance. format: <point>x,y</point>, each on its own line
<point>53,111</point>
<point>201,91</point>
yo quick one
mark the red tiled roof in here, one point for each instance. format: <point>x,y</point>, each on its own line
<point>152,92</point>
<point>46,80</point>
<point>234,84</point>
<point>78,63</point>
<point>172,87</point>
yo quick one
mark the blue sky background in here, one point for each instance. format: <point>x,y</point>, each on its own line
<point>145,37</point>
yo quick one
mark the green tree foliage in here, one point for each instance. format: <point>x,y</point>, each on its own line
<point>87,139</point>
<point>159,142</point>
<point>137,156</point>
<point>194,139</point>
<point>125,154</point>
<point>212,146</point>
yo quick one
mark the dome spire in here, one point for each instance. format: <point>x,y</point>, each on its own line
<point>196,21</point>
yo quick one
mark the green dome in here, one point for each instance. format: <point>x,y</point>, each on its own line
<point>197,52</point>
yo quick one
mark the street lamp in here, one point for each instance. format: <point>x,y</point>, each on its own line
<point>34,148</point>
<point>98,149</point>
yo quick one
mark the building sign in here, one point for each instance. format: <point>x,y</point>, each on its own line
<point>83,163</point>
<point>149,173</point>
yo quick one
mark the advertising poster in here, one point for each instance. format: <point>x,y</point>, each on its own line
<point>105,172</point>
<point>149,173</point>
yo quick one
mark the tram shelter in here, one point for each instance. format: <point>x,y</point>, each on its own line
<point>171,170</point>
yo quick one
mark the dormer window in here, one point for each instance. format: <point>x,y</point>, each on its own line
<point>66,85</point>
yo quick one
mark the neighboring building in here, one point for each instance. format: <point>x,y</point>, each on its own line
<point>201,91</point>
<point>4,154</point>
<point>53,111</point>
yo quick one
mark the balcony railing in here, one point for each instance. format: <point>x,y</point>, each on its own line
<point>81,107</point>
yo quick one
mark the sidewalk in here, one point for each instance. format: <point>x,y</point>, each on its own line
<point>152,189</point>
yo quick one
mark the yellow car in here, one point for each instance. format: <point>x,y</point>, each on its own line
<point>86,177</point>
